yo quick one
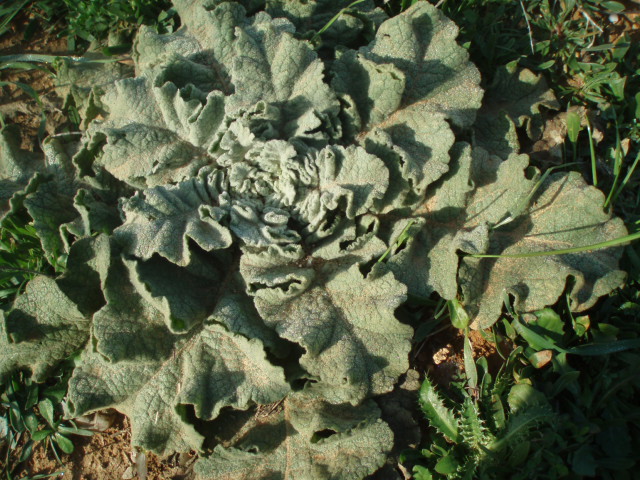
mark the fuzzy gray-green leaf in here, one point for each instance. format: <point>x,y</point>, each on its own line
<point>306,439</point>
<point>43,328</point>
<point>142,368</point>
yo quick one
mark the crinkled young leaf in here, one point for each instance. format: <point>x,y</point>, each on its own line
<point>43,328</point>
<point>163,219</point>
<point>151,374</point>
<point>347,183</point>
<point>306,439</point>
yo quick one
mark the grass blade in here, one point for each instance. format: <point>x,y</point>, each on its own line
<point>12,12</point>
<point>565,251</point>
<point>316,37</point>
<point>626,178</point>
<point>469,363</point>
<point>592,153</point>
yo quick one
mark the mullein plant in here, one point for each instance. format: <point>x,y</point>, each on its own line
<point>241,219</point>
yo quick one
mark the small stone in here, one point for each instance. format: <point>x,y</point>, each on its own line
<point>441,355</point>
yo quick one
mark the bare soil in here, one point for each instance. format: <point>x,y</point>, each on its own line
<point>16,105</point>
<point>108,455</point>
<point>441,356</point>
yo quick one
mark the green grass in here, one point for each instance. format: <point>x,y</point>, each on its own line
<point>84,22</point>
<point>21,256</point>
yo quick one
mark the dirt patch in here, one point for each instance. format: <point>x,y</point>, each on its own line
<point>441,355</point>
<point>16,104</point>
<point>108,455</point>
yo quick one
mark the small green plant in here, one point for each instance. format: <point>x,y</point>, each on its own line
<point>482,431</point>
<point>561,406</point>
<point>589,369</point>
<point>87,21</point>
<point>21,256</point>
<point>31,413</point>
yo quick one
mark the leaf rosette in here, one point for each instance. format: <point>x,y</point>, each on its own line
<point>233,211</point>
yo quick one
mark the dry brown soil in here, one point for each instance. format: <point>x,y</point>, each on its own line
<point>107,456</point>
<point>17,106</point>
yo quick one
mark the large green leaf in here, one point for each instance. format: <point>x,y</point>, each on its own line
<point>43,328</point>
<point>345,321</point>
<point>305,439</point>
<point>438,73</point>
<point>399,99</point>
<point>285,72</point>
<point>566,213</point>
<point>17,166</point>
<point>154,375</point>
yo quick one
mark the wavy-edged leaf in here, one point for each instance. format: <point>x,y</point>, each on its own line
<point>478,192</point>
<point>286,72</point>
<point>565,213</point>
<point>163,219</point>
<point>80,84</point>
<point>399,99</point>
<point>354,345</point>
<point>17,167</point>
<point>305,439</point>
<point>153,375</point>
<point>353,26</point>
<point>439,75</point>
<point>43,328</point>
<point>513,100</point>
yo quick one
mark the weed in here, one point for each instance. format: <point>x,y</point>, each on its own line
<point>21,256</point>
<point>31,413</point>
<point>88,21</point>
